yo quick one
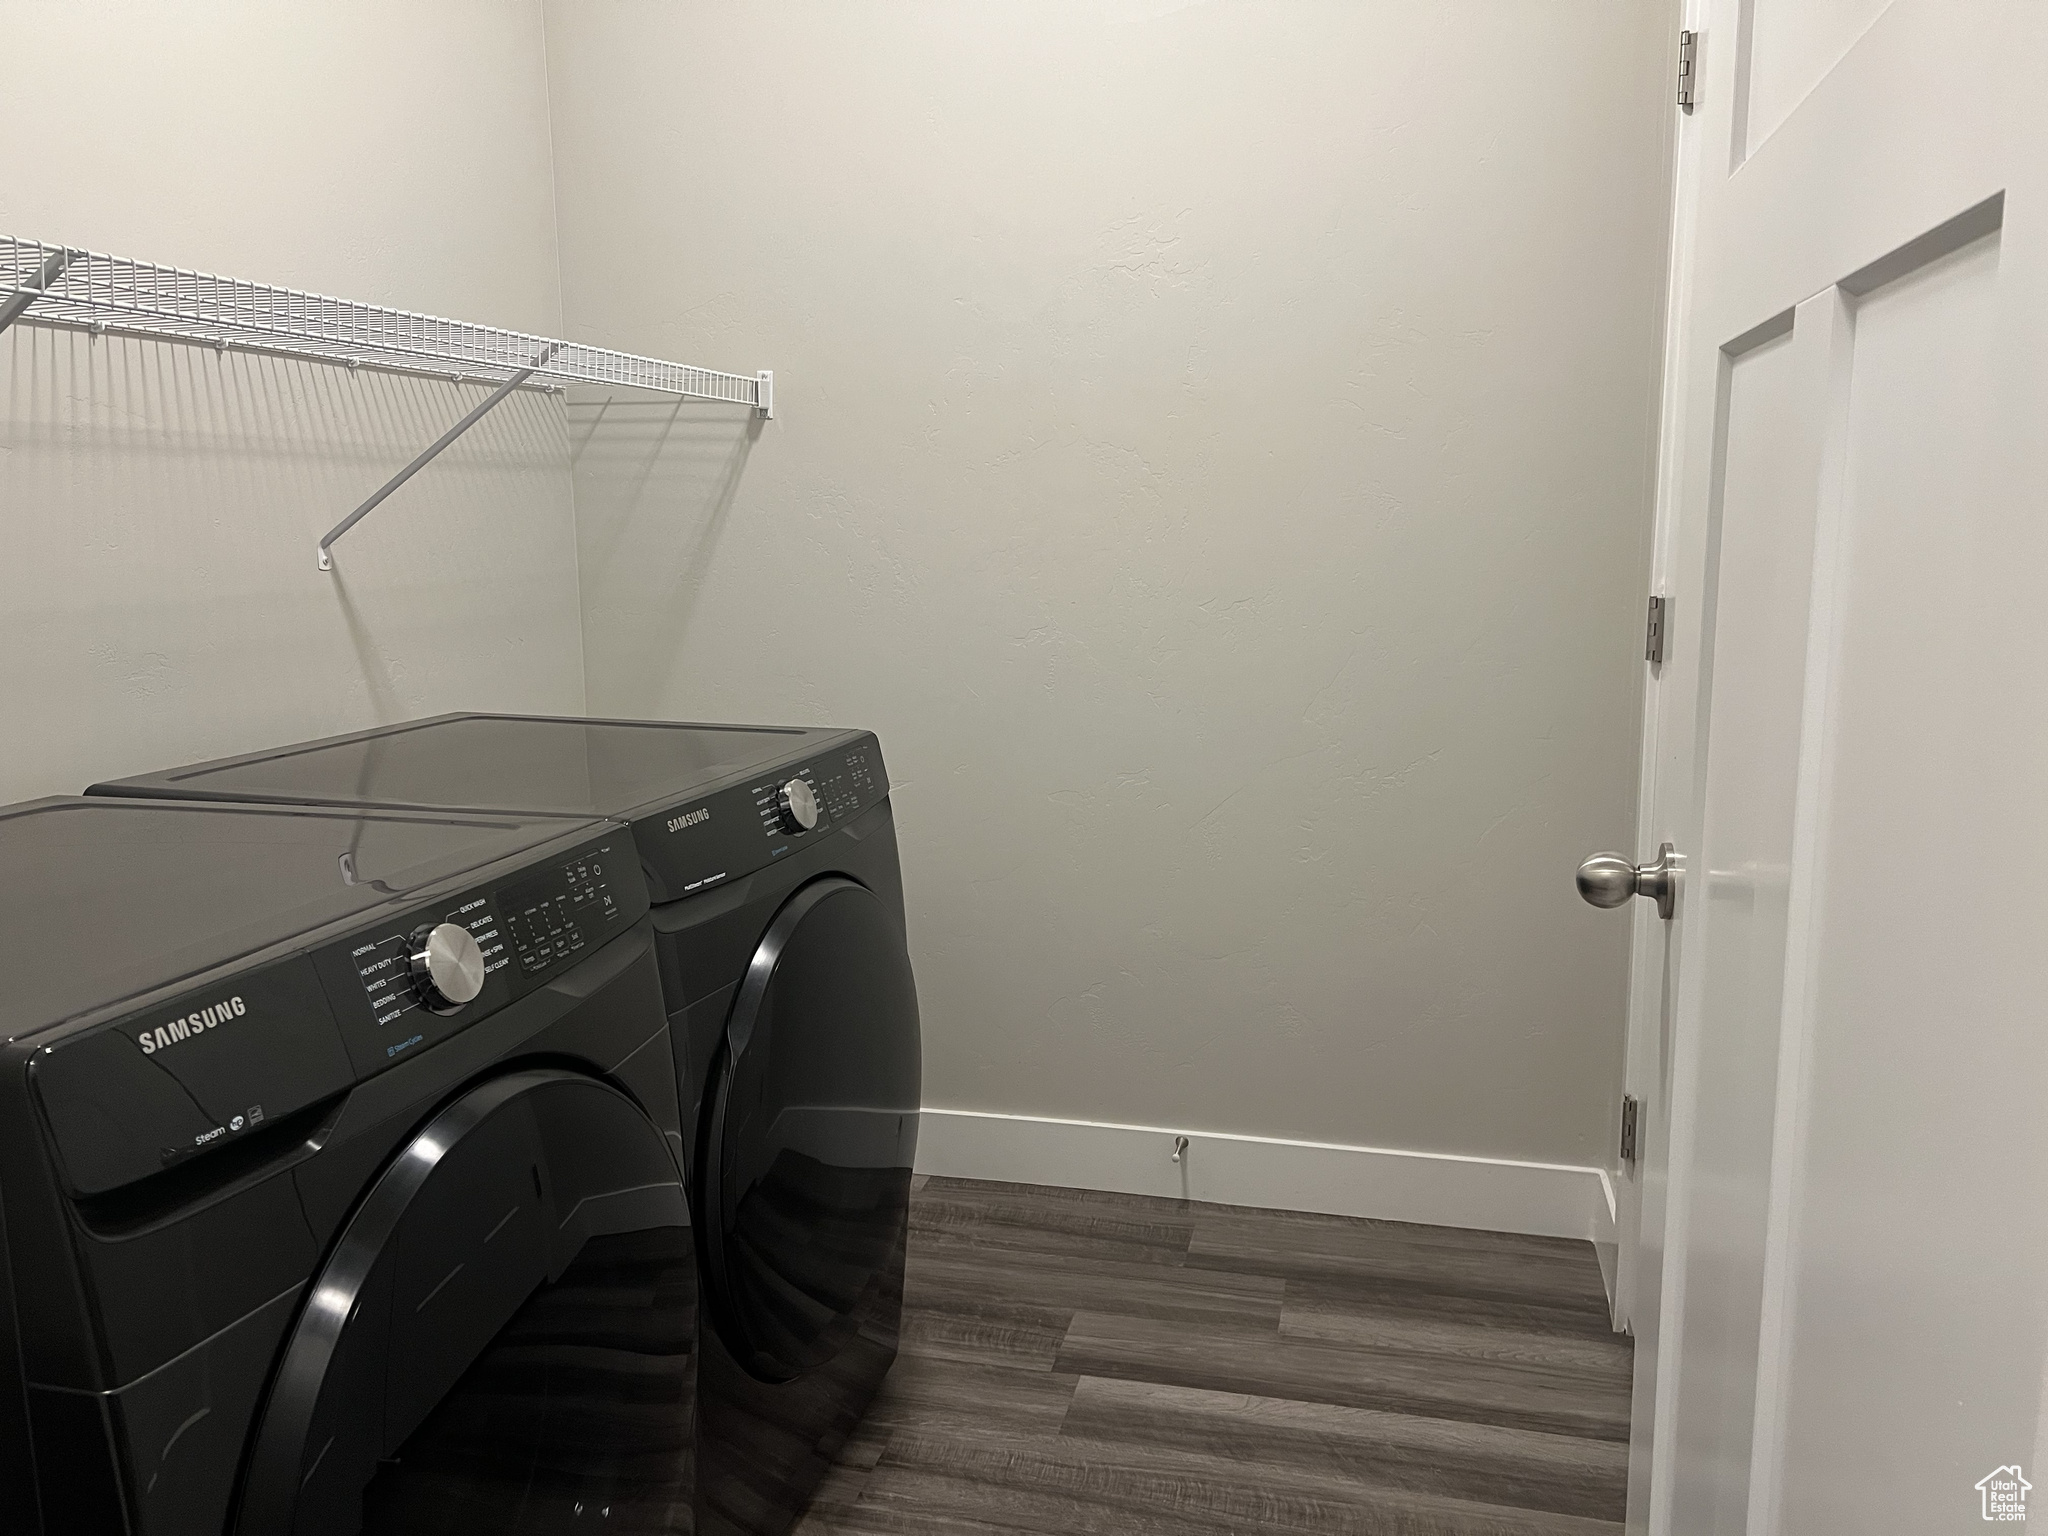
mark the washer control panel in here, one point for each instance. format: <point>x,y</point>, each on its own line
<point>410,981</point>
<point>561,913</point>
<point>384,963</point>
<point>200,1069</point>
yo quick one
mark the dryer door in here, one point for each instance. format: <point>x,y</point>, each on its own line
<point>811,1134</point>
<point>502,1340</point>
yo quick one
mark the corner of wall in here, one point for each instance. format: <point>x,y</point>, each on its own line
<point>562,329</point>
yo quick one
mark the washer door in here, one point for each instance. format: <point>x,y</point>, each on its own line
<point>502,1340</point>
<point>812,1130</point>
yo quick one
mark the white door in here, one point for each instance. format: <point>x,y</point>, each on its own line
<point>1840,1289</point>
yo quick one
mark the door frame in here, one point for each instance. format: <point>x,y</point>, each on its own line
<point>1672,697</point>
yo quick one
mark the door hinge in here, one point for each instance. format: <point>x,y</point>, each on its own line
<point>1653,634</point>
<point>1688,63</point>
<point>1628,1130</point>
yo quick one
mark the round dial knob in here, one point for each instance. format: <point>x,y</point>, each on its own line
<point>797,804</point>
<point>447,966</point>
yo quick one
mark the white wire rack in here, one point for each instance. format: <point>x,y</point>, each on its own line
<point>65,286</point>
<point>57,285</point>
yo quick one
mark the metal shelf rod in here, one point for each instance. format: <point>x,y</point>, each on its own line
<point>18,302</point>
<point>376,499</point>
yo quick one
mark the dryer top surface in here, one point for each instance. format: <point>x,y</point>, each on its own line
<point>517,763</point>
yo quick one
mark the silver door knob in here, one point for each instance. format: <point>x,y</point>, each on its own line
<point>1609,879</point>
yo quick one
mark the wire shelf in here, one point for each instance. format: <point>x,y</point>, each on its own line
<point>44,284</point>
<point>60,285</point>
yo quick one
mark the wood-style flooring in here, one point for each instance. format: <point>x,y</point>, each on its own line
<point>1082,1363</point>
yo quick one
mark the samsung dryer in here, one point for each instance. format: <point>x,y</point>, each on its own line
<point>339,1185</point>
<point>770,855</point>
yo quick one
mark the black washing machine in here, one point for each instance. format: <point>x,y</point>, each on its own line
<point>338,1177</point>
<point>770,856</point>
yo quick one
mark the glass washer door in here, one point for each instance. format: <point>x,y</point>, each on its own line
<point>503,1339</point>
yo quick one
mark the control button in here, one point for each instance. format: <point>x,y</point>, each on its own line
<point>796,804</point>
<point>447,966</point>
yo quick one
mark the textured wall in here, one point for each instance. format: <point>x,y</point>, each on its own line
<point>1213,454</point>
<point>158,504</point>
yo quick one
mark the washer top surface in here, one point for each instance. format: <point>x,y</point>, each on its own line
<point>523,763</point>
<point>103,899</point>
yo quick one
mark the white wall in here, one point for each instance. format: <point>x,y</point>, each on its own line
<point>1213,453</point>
<point>159,505</point>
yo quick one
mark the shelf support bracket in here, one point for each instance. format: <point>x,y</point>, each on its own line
<point>13,308</point>
<point>497,397</point>
<point>766,395</point>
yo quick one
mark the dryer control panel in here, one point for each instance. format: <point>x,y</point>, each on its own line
<point>733,830</point>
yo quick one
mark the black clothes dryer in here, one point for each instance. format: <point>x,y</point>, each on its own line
<point>338,1186</point>
<point>770,856</point>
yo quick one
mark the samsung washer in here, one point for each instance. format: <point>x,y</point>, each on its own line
<point>339,1185</point>
<point>770,855</point>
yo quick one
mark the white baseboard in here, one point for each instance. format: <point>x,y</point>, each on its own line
<point>1435,1188</point>
<point>1607,1244</point>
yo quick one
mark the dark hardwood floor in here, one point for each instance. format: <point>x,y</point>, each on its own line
<point>1076,1362</point>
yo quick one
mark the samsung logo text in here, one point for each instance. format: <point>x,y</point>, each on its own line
<point>689,818</point>
<point>165,1035</point>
